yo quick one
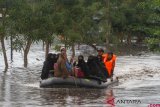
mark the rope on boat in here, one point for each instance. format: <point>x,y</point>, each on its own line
<point>75,81</point>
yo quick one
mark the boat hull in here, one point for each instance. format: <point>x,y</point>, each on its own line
<point>71,82</point>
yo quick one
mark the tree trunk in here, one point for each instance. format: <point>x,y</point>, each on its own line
<point>11,39</point>
<point>43,45</point>
<point>129,39</point>
<point>107,40</point>
<point>4,54</point>
<point>3,16</point>
<point>121,37</point>
<point>140,38</point>
<point>47,48</point>
<point>73,51</point>
<point>26,51</point>
<point>78,46</point>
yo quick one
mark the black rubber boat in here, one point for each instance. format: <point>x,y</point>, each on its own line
<point>73,82</point>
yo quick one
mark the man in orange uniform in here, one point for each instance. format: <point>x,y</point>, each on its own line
<point>109,61</point>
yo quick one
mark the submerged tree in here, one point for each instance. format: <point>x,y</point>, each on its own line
<point>4,5</point>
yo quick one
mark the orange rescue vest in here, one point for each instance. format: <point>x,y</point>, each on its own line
<point>109,64</point>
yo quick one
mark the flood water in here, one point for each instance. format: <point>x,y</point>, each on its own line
<point>139,86</point>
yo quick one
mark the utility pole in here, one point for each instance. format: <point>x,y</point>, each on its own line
<point>11,40</point>
<point>108,22</point>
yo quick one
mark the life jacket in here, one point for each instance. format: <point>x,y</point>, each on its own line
<point>109,64</point>
<point>104,56</point>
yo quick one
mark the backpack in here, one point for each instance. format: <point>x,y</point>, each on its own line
<point>78,73</point>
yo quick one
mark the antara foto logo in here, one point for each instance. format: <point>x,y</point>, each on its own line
<point>110,101</point>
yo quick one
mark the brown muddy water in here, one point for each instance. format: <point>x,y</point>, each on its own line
<point>139,86</point>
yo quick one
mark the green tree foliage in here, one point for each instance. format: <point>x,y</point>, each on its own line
<point>79,21</point>
<point>153,22</point>
<point>23,19</point>
<point>92,29</point>
<point>46,23</point>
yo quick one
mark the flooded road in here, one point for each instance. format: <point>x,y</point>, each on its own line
<point>139,86</point>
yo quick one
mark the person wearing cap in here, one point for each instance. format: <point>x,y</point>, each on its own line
<point>61,69</point>
<point>102,66</point>
<point>109,61</point>
<point>101,53</point>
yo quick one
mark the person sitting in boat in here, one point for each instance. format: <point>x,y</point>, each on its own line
<point>101,53</point>
<point>109,61</point>
<point>82,67</point>
<point>48,68</point>
<point>62,68</point>
<point>94,67</point>
<point>102,66</point>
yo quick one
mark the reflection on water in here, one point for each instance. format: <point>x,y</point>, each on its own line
<point>21,89</point>
<point>18,95</point>
<point>66,97</point>
<point>5,94</point>
<point>110,99</point>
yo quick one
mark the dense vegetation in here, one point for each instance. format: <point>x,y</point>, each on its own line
<point>78,21</point>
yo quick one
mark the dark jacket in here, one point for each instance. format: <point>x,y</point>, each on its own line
<point>95,67</point>
<point>84,67</point>
<point>48,65</point>
<point>103,69</point>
